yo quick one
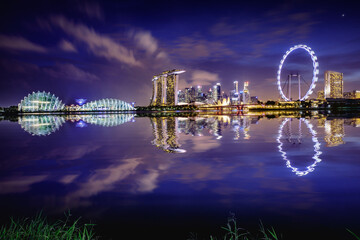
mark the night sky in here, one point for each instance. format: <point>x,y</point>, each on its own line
<point>111,49</point>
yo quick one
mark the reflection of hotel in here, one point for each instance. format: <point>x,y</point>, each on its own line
<point>334,132</point>
<point>165,134</point>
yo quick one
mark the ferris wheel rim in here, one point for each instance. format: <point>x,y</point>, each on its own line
<point>314,138</point>
<point>315,71</point>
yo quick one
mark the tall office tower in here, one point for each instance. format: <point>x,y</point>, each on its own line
<point>181,96</point>
<point>217,92</point>
<point>187,95</point>
<point>165,88</point>
<point>246,93</point>
<point>234,95</point>
<point>333,84</point>
<point>198,94</point>
<point>192,94</point>
<point>236,86</point>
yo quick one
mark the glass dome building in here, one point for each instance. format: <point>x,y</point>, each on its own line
<point>41,102</point>
<point>107,104</point>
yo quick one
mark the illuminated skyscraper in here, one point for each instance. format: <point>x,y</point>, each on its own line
<point>333,84</point>
<point>246,93</point>
<point>217,92</point>
<point>234,95</point>
<point>236,86</point>
<point>165,88</point>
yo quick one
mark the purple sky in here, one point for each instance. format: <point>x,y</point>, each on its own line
<point>112,49</point>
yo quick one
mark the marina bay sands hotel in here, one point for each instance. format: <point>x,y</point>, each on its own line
<point>165,88</point>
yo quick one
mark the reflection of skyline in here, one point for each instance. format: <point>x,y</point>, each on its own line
<point>297,138</point>
<point>166,130</point>
<point>97,167</point>
<point>215,125</point>
<point>43,125</point>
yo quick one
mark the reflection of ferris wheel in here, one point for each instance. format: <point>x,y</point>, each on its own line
<point>315,141</point>
<point>286,85</point>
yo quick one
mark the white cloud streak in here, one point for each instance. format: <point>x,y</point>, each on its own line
<point>98,44</point>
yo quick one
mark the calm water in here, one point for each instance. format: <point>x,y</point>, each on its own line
<point>164,177</point>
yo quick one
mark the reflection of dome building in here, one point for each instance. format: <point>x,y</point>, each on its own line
<point>107,105</point>
<point>40,102</point>
<point>334,132</point>
<point>41,125</point>
<point>108,120</point>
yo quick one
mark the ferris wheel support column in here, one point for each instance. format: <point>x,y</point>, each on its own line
<point>298,75</point>
<point>290,87</point>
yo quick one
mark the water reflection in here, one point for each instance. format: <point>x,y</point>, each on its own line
<point>165,134</point>
<point>166,130</point>
<point>334,132</point>
<point>218,150</point>
<point>216,124</point>
<point>43,125</point>
<point>289,141</point>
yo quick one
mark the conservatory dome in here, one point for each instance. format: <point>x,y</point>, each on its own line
<point>107,104</point>
<point>40,102</point>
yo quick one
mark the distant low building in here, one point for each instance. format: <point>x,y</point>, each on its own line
<point>320,95</point>
<point>355,94</point>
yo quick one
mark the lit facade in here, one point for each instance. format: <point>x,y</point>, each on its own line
<point>333,84</point>
<point>107,105</point>
<point>41,102</point>
<point>165,88</point>
<point>246,94</point>
<point>352,95</point>
<point>217,92</point>
<point>320,95</point>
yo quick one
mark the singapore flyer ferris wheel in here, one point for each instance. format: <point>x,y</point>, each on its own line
<point>285,86</point>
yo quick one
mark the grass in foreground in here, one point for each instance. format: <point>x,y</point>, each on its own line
<point>233,232</point>
<point>39,228</point>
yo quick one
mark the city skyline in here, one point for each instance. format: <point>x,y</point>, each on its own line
<point>98,50</point>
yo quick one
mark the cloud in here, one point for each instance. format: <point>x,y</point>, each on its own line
<point>67,46</point>
<point>20,43</point>
<point>146,41</point>
<point>70,72</point>
<point>98,44</point>
<point>203,78</point>
<point>223,28</point>
<point>92,10</point>
<point>198,47</point>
